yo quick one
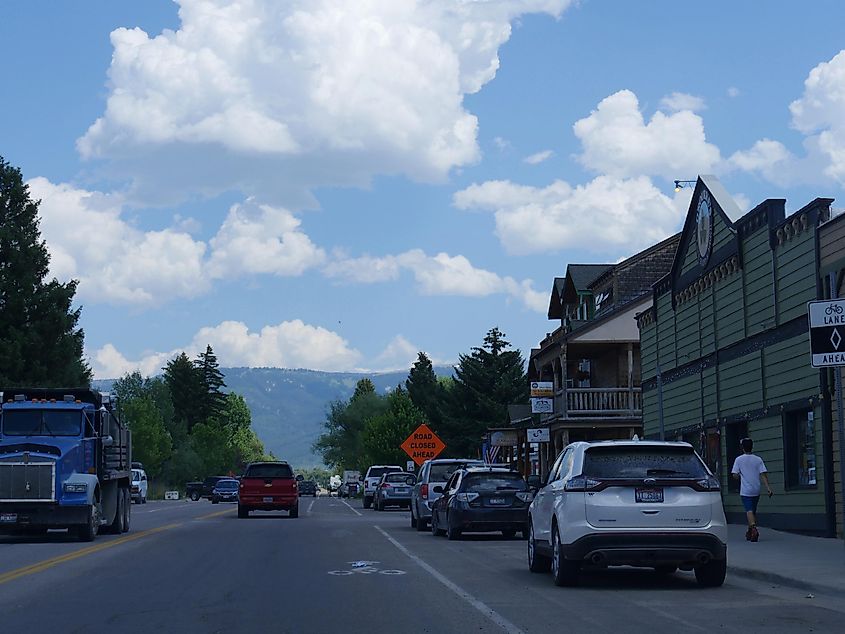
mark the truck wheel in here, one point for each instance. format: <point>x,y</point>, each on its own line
<point>294,512</point>
<point>127,512</point>
<point>195,496</point>
<point>88,531</point>
<point>368,502</point>
<point>242,512</point>
<point>116,527</point>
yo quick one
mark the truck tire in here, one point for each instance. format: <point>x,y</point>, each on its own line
<point>195,496</point>
<point>88,531</point>
<point>127,511</point>
<point>294,512</point>
<point>242,512</point>
<point>116,527</point>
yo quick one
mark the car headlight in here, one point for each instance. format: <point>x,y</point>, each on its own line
<point>75,487</point>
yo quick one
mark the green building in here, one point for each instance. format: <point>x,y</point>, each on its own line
<point>725,351</point>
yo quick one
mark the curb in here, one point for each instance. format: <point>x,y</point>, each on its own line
<point>771,577</point>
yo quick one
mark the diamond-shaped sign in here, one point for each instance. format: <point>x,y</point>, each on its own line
<point>835,339</point>
<point>423,444</point>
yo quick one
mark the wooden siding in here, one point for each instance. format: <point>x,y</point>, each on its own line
<point>757,270</point>
<point>681,403</point>
<point>648,348</point>
<point>741,384</point>
<point>707,322</point>
<point>796,266</point>
<point>730,324</point>
<point>789,375</point>
<point>665,333</point>
<point>687,329</point>
<point>832,243</point>
<point>709,395</point>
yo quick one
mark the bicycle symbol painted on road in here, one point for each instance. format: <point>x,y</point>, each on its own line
<point>364,568</point>
<point>834,308</point>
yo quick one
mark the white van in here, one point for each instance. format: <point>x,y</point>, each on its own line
<point>139,486</point>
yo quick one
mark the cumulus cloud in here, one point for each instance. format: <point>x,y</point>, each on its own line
<point>539,157</point>
<point>733,91</point>
<point>769,158</point>
<point>820,114</point>
<point>601,216</point>
<point>678,101</point>
<point>313,92</point>
<point>617,141</point>
<point>399,354</point>
<point>441,274</point>
<point>126,265</point>
<point>290,344</point>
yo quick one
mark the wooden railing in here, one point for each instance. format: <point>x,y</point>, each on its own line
<point>595,401</point>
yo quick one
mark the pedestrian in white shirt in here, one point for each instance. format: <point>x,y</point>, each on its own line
<point>750,470</point>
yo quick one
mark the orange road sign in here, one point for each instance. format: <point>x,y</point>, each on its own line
<point>423,445</point>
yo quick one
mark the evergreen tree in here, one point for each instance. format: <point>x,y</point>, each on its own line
<point>363,388</point>
<point>40,343</point>
<point>426,391</point>
<point>486,382</point>
<point>383,434</point>
<point>340,443</point>
<point>186,390</point>
<point>213,402</point>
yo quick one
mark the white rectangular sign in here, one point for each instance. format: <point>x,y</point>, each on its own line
<point>538,435</point>
<point>542,389</point>
<point>827,332</point>
<point>171,495</point>
<point>410,465</point>
<point>542,405</point>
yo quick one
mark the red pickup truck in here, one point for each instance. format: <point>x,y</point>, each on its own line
<point>269,486</point>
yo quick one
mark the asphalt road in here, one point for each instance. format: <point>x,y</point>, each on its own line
<point>194,567</point>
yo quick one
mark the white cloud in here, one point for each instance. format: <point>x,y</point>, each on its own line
<point>113,261</point>
<point>290,344</point>
<point>820,114</point>
<point>618,142</point>
<point>399,354</point>
<point>602,216</point>
<point>769,158</point>
<point>733,91</point>
<point>440,274</point>
<point>310,92</point>
<point>259,238</point>
<point>678,101</point>
<point>501,143</point>
<point>539,157</point>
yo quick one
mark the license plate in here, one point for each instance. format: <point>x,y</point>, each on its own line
<point>8,518</point>
<point>402,490</point>
<point>268,499</point>
<point>498,501</point>
<point>649,495</point>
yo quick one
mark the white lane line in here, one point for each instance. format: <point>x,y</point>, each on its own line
<point>478,604</point>
<point>354,510</point>
<point>164,508</point>
<point>310,506</point>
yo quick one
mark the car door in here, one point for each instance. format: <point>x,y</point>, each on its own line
<point>555,499</point>
<point>441,504</point>
<point>450,491</point>
<point>544,503</point>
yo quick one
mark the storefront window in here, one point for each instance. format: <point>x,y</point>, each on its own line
<point>800,448</point>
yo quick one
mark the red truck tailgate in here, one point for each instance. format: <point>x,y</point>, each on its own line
<point>268,486</point>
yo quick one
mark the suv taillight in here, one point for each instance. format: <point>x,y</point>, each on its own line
<point>582,483</point>
<point>424,491</point>
<point>385,486</point>
<point>709,483</point>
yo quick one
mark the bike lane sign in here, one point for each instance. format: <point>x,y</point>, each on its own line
<point>827,332</point>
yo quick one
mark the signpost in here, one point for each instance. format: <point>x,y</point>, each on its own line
<point>538,435</point>
<point>542,397</point>
<point>423,444</point>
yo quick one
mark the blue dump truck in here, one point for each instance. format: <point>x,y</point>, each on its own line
<point>65,462</point>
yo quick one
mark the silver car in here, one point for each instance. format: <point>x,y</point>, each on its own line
<point>433,473</point>
<point>394,489</point>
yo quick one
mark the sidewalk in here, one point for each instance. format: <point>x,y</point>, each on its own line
<point>814,564</point>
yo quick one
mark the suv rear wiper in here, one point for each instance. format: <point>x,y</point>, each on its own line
<point>667,472</point>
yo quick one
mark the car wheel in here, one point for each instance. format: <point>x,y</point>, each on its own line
<point>294,512</point>
<point>509,533</point>
<point>413,519</point>
<point>215,501</point>
<point>435,526</point>
<point>536,561</point>
<point>564,571</point>
<point>453,533</point>
<point>144,500</point>
<point>367,502</point>
<point>195,496</point>
<point>381,505</point>
<point>712,574</point>
<point>242,512</point>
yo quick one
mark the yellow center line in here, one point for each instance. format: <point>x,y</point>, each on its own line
<point>90,550</point>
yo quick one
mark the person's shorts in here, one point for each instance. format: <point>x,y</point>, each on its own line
<point>750,502</point>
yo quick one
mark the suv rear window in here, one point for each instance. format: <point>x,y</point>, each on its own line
<point>443,471</point>
<point>269,471</point>
<point>396,477</point>
<point>377,472</point>
<point>480,482</point>
<point>642,462</point>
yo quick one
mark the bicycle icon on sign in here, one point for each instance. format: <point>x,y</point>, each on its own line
<point>833,309</point>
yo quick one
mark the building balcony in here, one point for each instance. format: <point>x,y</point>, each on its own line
<point>597,402</point>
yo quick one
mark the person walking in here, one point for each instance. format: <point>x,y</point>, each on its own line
<point>750,470</point>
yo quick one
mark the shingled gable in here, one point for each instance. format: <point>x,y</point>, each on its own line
<point>566,289</point>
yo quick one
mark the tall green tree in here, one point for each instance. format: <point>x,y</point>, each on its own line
<point>151,444</point>
<point>426,391</point>
<point>186,390</point>
<point>40,341</point>
<point>383,434</point>
<point>213,401</point>
<point>486,381</point>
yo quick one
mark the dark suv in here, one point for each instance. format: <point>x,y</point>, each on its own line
<point>308,487</point>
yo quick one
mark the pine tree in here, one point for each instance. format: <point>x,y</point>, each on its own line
<point>40,343</point>
<point>426,391</point>
<point>213,401</point>
<point>486,382</point>
<point>186,390</point>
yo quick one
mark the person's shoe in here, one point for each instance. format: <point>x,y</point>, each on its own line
<point>748,534</point>
<point>755,534</point>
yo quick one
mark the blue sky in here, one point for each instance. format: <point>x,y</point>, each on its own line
<point>337,185</point>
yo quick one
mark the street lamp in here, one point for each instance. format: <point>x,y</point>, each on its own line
<point>679,185</point>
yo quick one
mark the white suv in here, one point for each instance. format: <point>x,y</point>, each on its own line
<point>635,503</point>
<point>140,486</point>
<point>372,478</point>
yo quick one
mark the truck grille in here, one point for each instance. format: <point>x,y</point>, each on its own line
<point>29,482</point>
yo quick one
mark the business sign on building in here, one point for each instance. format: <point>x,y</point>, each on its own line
<point>542,405</point>
<point>542,389</point>
<point>827,332</point>
<point>503,438</point>
<point>540,434</point>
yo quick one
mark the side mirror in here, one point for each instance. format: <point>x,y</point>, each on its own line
<point>300,478</point>
<point>107,441</point>
<point>438,489</point>
<point>411,480</point>
<point>534,482</point>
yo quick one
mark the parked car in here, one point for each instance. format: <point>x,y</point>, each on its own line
<point>225,491</point>
<point>482,499</point>
<point>394,489</point>
<point>635,503</point>
<point>269,486</point>
<point>433,473</point>
<point>198,490</point>
<point>140,486</point>
<point>308,487</point>
<point>371,480</point>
